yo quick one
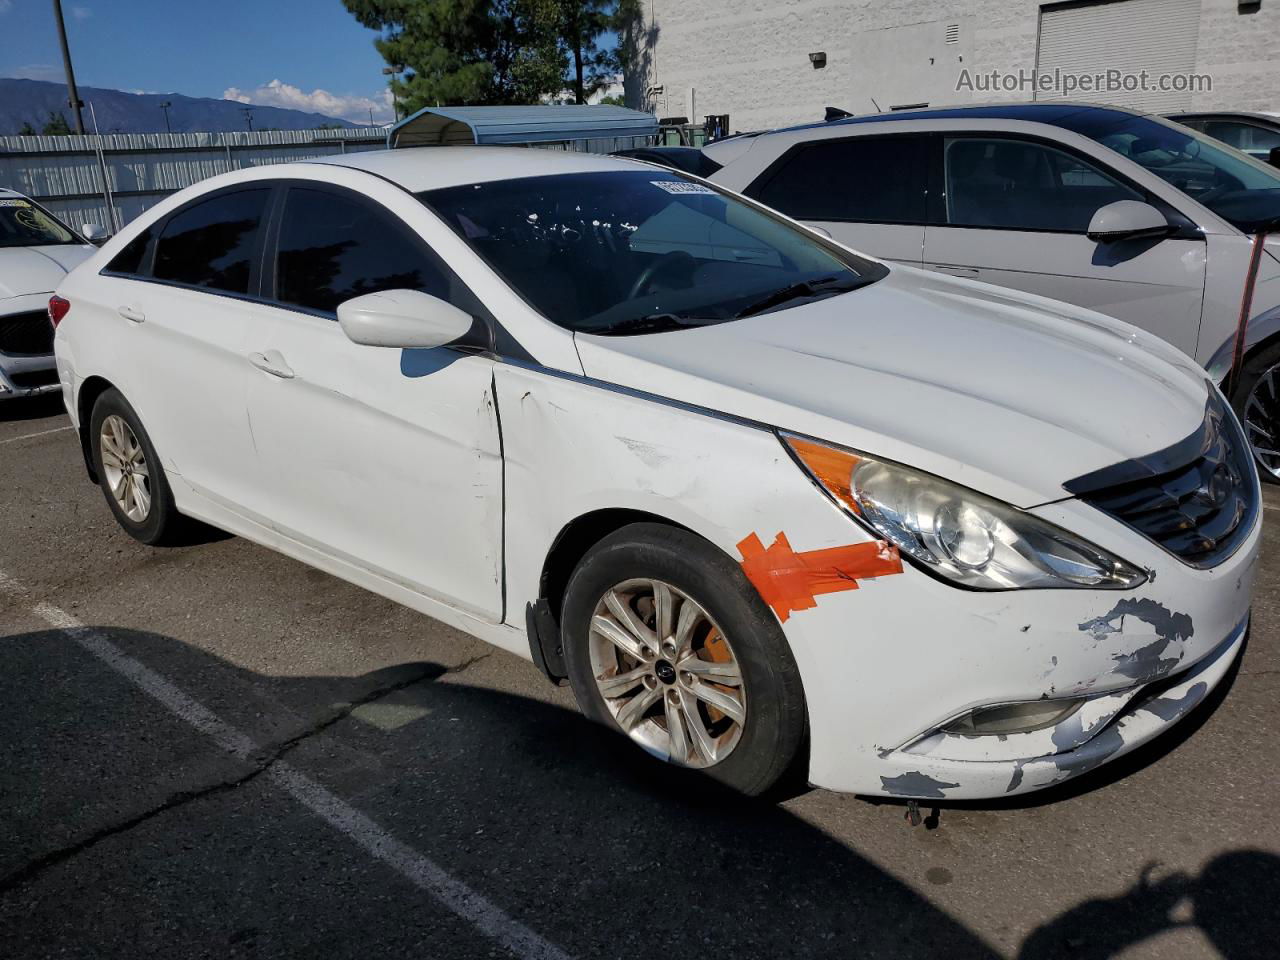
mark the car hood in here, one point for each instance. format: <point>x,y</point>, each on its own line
<point>25,270</point>
<point>1007,393</point>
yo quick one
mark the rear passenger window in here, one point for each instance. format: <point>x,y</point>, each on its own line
<point>211,243</point>
<point>129,260</point>
<point>871,179</point>
<point>1020,185</point>
<point>333,248</point>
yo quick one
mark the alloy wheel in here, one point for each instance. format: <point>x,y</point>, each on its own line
<point>1262,421</point>
<point>667,673</point>
<point>125,467</point>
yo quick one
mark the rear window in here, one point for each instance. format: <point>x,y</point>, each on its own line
<point>211,243</point>
<point>868,179</point>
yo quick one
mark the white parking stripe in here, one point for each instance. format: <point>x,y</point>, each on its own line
<point>41,433</point>
<point>423,873</point>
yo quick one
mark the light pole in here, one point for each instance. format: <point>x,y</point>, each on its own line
<point>394,72</point>
<point>73,97</point>
<point>165,105</point>
<point>248,116</point>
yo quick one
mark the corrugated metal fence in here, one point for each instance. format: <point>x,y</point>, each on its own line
<point>111,179</point>
<point>74,175</point>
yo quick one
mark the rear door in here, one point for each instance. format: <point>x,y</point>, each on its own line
<point>869,192</point>
<point>1014,211</point>
<point>386,459</point>
<point>178,298</point>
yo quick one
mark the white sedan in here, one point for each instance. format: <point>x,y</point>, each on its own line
<point>761,500</point>
<point>36,251</point>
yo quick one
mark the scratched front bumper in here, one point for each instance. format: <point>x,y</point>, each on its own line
<point>1152,709</point>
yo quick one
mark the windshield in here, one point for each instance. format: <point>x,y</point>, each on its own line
<point>1243,191</point>
<point>23,224</point>
<point>642,251</point>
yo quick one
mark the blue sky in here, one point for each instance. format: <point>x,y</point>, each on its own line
<point>307,54</point>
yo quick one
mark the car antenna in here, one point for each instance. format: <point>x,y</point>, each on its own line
<point>876,105</point>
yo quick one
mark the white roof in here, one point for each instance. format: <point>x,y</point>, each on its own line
<point>426,168</point>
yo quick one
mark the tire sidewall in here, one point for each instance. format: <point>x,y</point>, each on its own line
<point>1250,373</point>
<point>152,529</point>
<point>776,722</point>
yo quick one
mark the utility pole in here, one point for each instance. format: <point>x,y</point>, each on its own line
<point>165,105</point>
<point>73,97</point>
<point>248,117</point>
<point>394,72</point>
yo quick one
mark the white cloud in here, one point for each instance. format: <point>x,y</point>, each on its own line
<point>348,107</point>
<point>6,6</point>
<point>37,71</point>
<point>81,13</point>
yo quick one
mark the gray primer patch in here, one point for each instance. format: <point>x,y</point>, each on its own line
<point>1145,663</point>
<point>916,784</point>
<point>1016,780</point>
<point>1168,710</point>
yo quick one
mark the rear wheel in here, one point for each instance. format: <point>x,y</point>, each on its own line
<point>129,472</point>
<point>1256,399</point>
<point>667,642</point>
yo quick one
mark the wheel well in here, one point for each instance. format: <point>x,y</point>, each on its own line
<point>90,391</point>
<point>573,542</point>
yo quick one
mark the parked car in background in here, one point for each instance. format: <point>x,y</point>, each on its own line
<point>36,251</point>
<point>1127,214</point>
<point>716,470</point>
<point>1257,134</point>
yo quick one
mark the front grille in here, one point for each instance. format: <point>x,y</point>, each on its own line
<point>1197,499</point>
<point>26,333</point>
<point>33,378</point>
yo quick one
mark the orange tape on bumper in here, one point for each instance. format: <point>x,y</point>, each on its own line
<point>789,581</point>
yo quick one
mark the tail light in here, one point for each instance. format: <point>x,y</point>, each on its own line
<point>58,308</point>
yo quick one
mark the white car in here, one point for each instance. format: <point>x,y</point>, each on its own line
<point>763,501</point>
<point>36,251</point>
<point>1120,212</point>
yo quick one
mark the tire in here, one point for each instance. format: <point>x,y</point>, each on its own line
<point>1256,400</point>
<point>160,522</point>
<point>732,637</point>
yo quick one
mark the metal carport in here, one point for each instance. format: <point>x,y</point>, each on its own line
<point>574,126</point>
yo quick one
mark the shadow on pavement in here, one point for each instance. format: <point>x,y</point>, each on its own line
<point>31,408</point>
<point>559,822</point>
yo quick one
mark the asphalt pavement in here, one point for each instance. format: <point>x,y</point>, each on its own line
<point>213,750</point>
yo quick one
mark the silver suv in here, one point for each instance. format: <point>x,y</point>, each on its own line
<point>1127,214</point>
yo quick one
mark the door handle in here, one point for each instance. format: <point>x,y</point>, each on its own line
<point>957,271</point>
<point>273,363</point>
<point>132,314</point>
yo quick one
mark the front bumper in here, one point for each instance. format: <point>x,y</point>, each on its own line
<point>27,375</point>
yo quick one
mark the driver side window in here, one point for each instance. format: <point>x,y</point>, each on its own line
<point>1021,185</point>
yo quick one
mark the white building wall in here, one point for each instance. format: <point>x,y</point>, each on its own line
<point>750,58</point>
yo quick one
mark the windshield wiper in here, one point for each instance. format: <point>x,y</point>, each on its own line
<point>797,291</point>
<point>653,323</point>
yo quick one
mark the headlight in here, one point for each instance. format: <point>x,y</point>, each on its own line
<point>956,532</point>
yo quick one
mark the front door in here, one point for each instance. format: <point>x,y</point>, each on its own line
<point>1016,213</point>
<point>388,459</point>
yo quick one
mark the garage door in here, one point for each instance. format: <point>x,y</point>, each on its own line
<point>1158,36</point>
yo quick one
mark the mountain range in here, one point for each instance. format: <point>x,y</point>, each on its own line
<point>32,101</point>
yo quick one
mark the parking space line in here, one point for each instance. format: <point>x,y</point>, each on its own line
<point>40,433</point>
<point>422,872</point>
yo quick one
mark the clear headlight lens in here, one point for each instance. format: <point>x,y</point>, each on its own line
<point>962,535</point>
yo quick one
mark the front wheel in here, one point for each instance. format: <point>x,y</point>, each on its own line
<point>666,642</point>
<point>1256,399</point>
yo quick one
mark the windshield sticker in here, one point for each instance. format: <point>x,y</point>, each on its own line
<point>14,203</point>
<point>682,186</point>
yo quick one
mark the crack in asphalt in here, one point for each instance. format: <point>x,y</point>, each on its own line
<point>261,761</point>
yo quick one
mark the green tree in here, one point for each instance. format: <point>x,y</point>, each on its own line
<point>617,100</point>
<point>56,126</point>
<point>462,51</point>
<point>581,24</point>
<point>27,129</point>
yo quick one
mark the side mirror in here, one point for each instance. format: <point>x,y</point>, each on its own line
<point>1127,220</point>
<point>406,319</point>
<point>94,232</point>
<point>1273,157</point>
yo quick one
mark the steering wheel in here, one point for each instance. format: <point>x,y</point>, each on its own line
<point>666,262</point>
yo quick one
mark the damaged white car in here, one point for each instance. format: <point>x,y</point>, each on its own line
<point>761,500</point>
